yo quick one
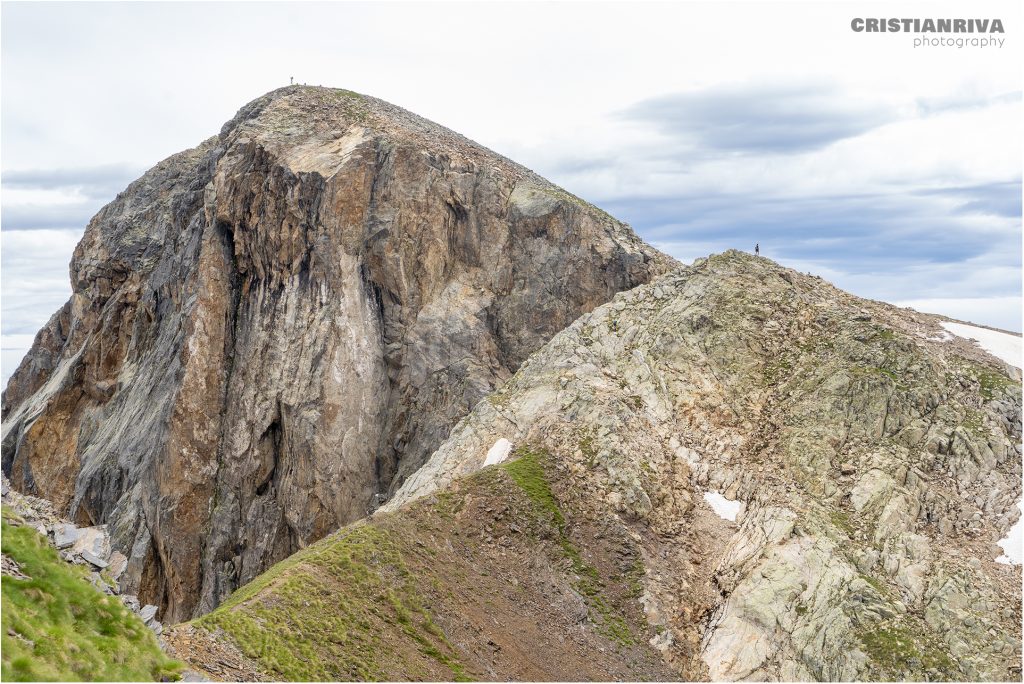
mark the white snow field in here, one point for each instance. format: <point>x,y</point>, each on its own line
<point>999,344</point>
<point>1013,545</point>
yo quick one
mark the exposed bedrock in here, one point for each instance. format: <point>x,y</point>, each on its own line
<point>270,332</point>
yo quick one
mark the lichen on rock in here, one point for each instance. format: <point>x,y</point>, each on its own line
<point>876,470</point>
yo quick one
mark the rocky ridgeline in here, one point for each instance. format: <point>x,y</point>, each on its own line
<point>87,546</point>
<point>269,332</point>
<point>876,462</point>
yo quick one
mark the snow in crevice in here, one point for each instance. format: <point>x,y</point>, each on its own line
<point>727,509</point>
<point>1014,541</point>
<point>498,453</point>
<point>1002,345</point>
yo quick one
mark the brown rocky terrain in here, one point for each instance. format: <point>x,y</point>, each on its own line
<point>270,332</point>
<point>874,461</point>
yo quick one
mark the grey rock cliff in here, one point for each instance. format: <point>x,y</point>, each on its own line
<point>271,331</point>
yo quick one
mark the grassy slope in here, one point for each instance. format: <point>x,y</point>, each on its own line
<point>322,614</point>
<point>431,593</point>
<point>58,627</point>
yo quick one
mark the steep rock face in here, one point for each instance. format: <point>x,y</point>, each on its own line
<point>271,330</point>
<point>876,459</point>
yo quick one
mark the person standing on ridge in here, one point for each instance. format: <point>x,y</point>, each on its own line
<point>757,249</point>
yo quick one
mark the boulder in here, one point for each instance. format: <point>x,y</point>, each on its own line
<point>65,535</point>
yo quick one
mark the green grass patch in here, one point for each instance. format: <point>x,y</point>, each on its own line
<point>347,94</point>
<point>841,519</point>
<point>885,334</point>
<point>896,649</point>
<point>499,399</point>
<point>589,583</point>
<point>992,383</point>
<point>321,614</point>
<point>588,446</point>
<point>974,422</point>
<point>58,627</point>
<point>877,585</point>
<point>527,470</point>
<point>888,373</point>
<point>777,371</point>
<point>449,503</point>
<point>634,579</point>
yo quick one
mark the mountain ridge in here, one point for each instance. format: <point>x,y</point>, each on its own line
<point>876,463</point>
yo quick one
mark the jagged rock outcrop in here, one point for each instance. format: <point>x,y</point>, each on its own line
<point>270,331</point>
<point>877,461</point>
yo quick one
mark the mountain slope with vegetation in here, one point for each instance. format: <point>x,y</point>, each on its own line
<point>58,627</point>
<point>488,580</point>
<point>875,462</point>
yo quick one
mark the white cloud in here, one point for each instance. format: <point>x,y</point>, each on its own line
<point>35,283</point>
<point>110,87</point>
<point>34,277</point>
<point>999,312</point>
<point>12,350</point>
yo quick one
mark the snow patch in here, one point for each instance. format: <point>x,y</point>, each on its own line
<point>999,344</point>
<point>1014,541</point>
<point>499,452</point>
<point>727,509</point>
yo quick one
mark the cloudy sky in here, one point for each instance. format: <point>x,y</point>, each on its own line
<point>892,170</point>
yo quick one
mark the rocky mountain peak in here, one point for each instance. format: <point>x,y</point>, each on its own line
<point>370,401</point>
<point>269,332</point>
<point>295,114</point>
